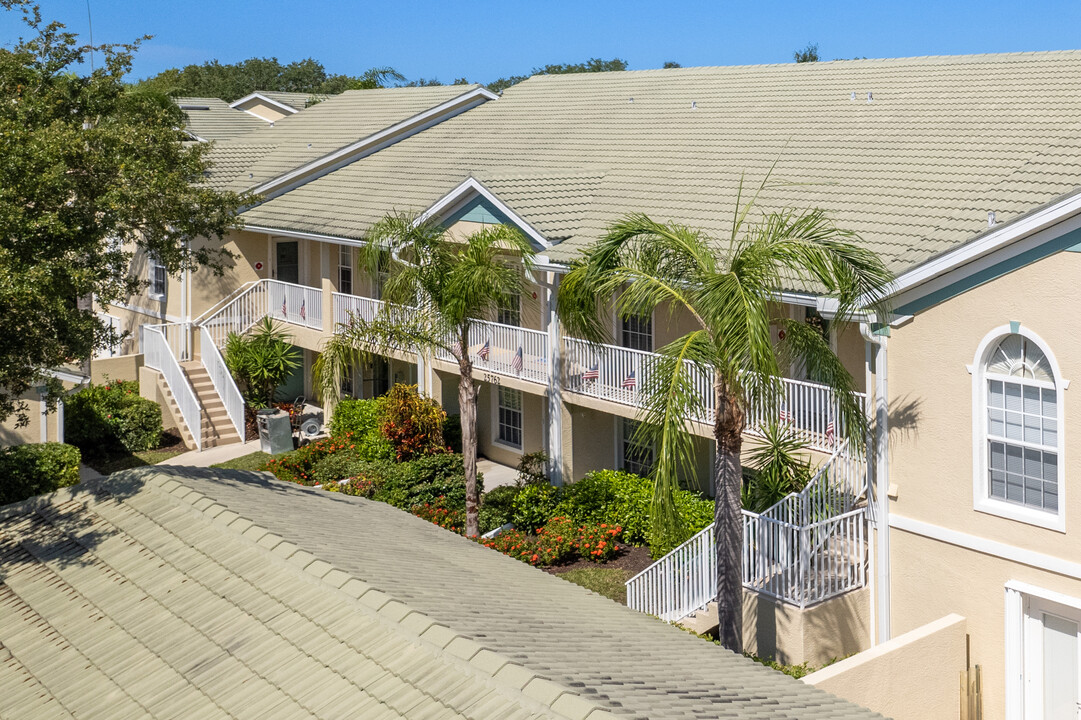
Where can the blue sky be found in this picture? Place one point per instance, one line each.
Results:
(484, 40)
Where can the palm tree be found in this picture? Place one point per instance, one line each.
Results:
(447, 282)
(730, 287)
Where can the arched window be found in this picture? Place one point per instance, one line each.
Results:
(1019, 440)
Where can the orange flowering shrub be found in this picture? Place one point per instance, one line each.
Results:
(297, 466)
(555, 541)
(597, 542)
(516, 544)
(452, 519)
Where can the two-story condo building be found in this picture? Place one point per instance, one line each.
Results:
(963, 173)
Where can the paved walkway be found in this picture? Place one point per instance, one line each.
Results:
(496, 475)
(212, 456)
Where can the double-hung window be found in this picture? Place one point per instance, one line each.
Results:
(509, 310)
(345, 269)
(509, 431)
(636, 456)
(1021, 434)
(636, 332)
(158, 278)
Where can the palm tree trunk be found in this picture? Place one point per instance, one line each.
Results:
(467, 401)
(728, 516)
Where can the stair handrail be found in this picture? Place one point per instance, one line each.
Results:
(804, 499)
(225, 300)
(159, 356)
(223, 381)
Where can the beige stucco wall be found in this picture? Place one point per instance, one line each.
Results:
(534, 418)
(816, 635)
(851, 350)
(263, 110)
(931, 464)
(120, 367)
(11, 434)
(150, 389)
(915, 676)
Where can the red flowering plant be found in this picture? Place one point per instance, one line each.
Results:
(297, 466)
(597, 542)
(452, 519)
(516, 544)
(555, 541)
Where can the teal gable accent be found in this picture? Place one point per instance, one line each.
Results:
(477, 210)
(1068, 241)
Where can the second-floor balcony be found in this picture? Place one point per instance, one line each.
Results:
(602, 372)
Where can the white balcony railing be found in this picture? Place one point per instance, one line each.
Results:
(506, 350)
(296, 304)
(618, 375)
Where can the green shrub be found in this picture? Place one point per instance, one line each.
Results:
(597, 543)
(535, 505)
(29, 470)
(533, 469)
(297, 466)
(780, 466)
(556, 541)
(356, 418)
(452, 433)
(497, 507)
(426, 480)
(112, 417)
(452, 519)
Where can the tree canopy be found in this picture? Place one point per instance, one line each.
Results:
(806, 54)
(591, 65)
(231, 81)
(90, 170)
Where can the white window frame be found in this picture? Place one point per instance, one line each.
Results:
(621, 446)
(118, 327)
(346, 252)
(497, 421)
(152, 266)
(981, 494)
(516, 311)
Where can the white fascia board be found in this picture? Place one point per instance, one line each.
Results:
(279, 232)
(466, 191)
(373, 143)
(983, 245)
(287, 109)
(67, 376)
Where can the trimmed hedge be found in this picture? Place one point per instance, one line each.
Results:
(37, 468)
(112, 417)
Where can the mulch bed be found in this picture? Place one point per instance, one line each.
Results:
(632, 559)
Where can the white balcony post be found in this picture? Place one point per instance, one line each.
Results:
(555, 383)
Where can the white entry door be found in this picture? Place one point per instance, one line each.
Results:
(1052, 665)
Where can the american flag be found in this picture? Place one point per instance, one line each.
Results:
(285, 310)
(629, 381)
(485, 349)
(784, 415)
(303, 312)
(594, 373)
(830, 433)
(516, 363)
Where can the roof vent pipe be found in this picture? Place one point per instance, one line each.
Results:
(694, 105)
(990, 218)
(630, 100)
(870, 97)
(853, 95)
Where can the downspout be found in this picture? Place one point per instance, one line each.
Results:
(882, 480)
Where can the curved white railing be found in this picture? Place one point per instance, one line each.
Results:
(222, 380)
(159, 356)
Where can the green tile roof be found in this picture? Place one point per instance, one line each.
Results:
(218, 121)
(942, 141)
(183, 592)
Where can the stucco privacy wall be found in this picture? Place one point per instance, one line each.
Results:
(912, 677)
(815, 635)
(932, 455)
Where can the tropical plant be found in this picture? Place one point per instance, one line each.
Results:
(449, 282)
(261, 361)
(413, 423)
(728, 287)
(532, 469)
(780, 466)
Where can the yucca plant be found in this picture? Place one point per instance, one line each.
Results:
(448, 283)
(261, 361)
(780, 466)
(728, 287)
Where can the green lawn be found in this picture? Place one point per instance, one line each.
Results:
(126, 461)
(603, 581)
(252, 461)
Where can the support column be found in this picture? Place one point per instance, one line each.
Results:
(555, 383)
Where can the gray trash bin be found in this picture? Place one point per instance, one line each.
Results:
(275, 431)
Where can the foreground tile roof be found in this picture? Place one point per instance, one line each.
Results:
(200, 593)
(910, 153)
